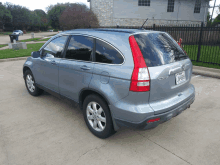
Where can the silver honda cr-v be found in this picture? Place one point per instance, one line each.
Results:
(119, 77)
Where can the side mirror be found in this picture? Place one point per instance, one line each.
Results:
(35, 54)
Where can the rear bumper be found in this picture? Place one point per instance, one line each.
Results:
(163, 117)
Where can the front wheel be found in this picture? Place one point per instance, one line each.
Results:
(97, 116)
(30, 84)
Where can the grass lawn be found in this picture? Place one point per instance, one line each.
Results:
(3, 46)
(208, 53)
(10, 53)
(52, 35)
(31, 39)
(34, 39)
(45, 39)
(205, 65)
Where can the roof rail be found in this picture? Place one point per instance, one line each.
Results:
(114, 30)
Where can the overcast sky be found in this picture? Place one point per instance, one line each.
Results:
(42, 4)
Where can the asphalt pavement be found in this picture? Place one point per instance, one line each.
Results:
(48, 131)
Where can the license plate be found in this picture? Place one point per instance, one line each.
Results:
(180, 77)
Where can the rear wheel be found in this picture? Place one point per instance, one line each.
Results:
(30, 84)
(97, 116)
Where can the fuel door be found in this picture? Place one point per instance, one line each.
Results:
(104, 77)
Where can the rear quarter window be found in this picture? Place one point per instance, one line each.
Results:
(159, 49)
(106, 53)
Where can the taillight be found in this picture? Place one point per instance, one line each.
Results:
(140, 80)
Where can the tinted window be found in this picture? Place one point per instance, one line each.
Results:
(55, 47)
(80, 48)
(159, 49)
(107, 54)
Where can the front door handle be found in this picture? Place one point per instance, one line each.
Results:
(84, 67)
(53, 62)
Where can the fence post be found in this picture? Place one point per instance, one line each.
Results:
(200, 43)
(154, 26)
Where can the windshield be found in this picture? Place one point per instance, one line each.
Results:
(159, 48)
(16, 30)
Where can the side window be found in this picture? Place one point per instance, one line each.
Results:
(105, 53)
(80, 48)
(55, 47)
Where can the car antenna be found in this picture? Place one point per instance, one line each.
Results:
(143, 24)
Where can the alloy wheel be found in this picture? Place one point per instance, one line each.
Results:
(30, 83)
(96, 116)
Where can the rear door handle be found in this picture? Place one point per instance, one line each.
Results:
(53, 62)
(84, 67)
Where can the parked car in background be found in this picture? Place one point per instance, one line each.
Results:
(18, 32)
(50, 30)
(119, 77)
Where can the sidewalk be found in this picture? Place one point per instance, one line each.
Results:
(30, 42)
(209, 72)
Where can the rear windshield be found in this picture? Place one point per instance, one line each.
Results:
(159, 49)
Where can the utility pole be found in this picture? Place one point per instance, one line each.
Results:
(213, 10)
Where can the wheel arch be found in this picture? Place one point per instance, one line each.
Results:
(88, 91)
(25, 68)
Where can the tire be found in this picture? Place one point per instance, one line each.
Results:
(30, 84)
(98, 119)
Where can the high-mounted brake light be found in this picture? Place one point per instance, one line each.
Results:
(140, 80)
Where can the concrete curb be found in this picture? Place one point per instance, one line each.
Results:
(14, 59)
(207, 75)
(208, 72)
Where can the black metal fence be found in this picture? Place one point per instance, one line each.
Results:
(201, 43)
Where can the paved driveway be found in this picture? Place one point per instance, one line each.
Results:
(4, 39)
(47, 131)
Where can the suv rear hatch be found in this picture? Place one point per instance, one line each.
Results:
(170, 70)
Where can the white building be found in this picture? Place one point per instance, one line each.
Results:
(160, 12)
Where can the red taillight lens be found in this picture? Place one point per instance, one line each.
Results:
(140, 80)
(153, 120)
